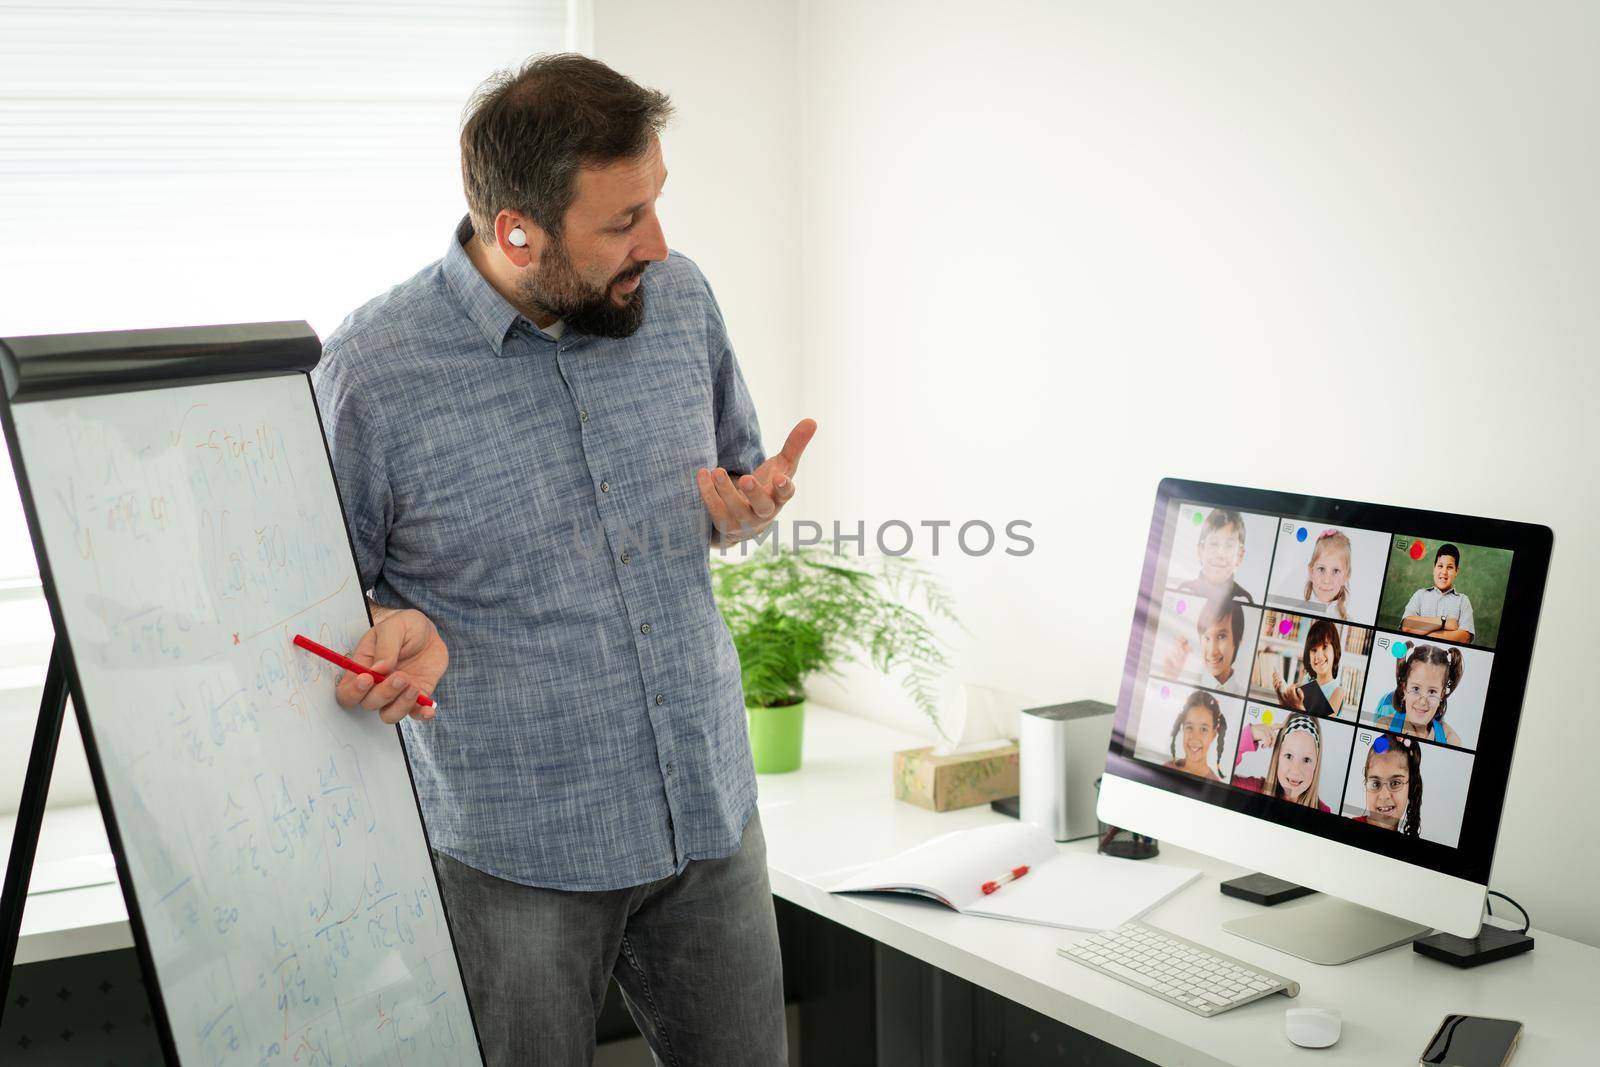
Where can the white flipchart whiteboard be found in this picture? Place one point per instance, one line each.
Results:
(278, 865)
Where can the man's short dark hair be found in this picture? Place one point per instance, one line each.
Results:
(527, 133)
(1448, 550)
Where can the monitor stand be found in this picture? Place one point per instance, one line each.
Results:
(1326, 930)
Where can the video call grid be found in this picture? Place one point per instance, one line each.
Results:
(1373, 630)
(1353, 701)
(1355, 724)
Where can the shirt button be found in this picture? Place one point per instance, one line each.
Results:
(660, 699)
(583, 416)
(625, 557)
(605, 487)
(644, 627)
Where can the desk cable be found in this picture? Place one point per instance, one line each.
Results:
(1489, 904)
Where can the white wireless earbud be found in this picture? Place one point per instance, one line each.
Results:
(517, 237)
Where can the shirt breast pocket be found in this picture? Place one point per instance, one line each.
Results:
(677, 437)
(674, 403)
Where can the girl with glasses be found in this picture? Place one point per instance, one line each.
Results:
(1393, 784)
(1424, 680)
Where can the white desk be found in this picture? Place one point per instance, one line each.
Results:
(838, 811)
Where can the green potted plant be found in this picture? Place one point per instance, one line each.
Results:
(798, 612)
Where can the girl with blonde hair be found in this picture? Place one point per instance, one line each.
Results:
(1294, 771)
(1328, 573)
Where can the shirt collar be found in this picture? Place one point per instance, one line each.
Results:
(488, 310)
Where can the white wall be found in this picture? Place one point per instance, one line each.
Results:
(1034, 238)
(1037, 236)
(733, 165)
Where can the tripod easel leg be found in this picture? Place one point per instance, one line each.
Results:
(30, 816)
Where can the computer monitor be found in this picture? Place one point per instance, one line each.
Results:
(1327, 691)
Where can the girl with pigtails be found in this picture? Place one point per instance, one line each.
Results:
(1424, 680)
(1393, 783)
(1203, 727)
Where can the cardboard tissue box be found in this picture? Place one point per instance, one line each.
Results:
(957, 779)
(981, 762)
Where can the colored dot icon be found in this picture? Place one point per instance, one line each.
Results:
(1399, 650)
(1284, 626)
(1266, 718)
(1166, 691)
(1417, 549)
(1183, 606)
(1300, 534)
(1381, 745)
(1198, 518)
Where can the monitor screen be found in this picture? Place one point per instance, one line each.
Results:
(1351, 670)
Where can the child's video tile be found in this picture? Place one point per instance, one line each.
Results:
(1310, 664)
(1188, 729)
(1205, 642)
(1445, 590)
(1219, 554)
(1327, 570)
(1295, 757)
(1437, 691)
(1385, 786)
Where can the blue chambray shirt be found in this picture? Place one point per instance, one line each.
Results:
(535, 497)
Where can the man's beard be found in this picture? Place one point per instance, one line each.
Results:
(559, 291)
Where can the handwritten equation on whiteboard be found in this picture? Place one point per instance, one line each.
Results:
(272, 837)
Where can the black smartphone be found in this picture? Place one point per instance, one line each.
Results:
(1472, 1041)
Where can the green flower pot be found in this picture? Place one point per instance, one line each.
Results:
(775, 737)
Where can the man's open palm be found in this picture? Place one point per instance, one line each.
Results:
(743, 510)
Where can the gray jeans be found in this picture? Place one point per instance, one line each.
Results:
(696, 956)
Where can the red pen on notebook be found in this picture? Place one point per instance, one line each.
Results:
(301, 641)
(1012, 876)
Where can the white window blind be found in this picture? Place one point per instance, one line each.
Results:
(181, 162)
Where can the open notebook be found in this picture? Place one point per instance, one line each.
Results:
(1073, 890)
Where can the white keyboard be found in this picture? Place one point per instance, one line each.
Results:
(1180, 972)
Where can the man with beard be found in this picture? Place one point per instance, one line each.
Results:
(523, 452)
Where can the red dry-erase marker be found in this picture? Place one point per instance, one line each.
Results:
(1015, 873)
(301, 641)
